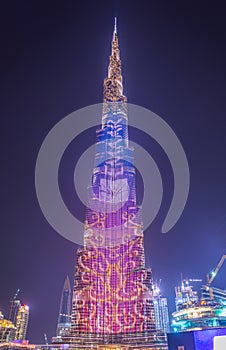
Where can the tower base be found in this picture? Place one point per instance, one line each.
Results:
(125, 341)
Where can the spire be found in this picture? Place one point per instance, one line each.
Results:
(67, 284)
(113, 89)
(64, 317)
(115, 27)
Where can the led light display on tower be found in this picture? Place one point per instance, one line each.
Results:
(113, 289)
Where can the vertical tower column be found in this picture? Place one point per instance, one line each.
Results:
(113, 294)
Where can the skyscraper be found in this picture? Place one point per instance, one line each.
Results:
(7, 329)
(22, 322)
(14, 308)
(64, 318)
(113, 290)
(161, 312)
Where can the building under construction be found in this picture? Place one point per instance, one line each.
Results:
(193, 312)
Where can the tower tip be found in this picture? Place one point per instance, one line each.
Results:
(115, 27)
(67, 284)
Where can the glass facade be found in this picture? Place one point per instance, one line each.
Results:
(161, 314)
(64, 319)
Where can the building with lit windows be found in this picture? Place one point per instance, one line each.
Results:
(161, 312)
(113, 290)
(194, 313)
(185, 295)
(7, 330)
(22, 322)
(64, 318)
(14, 309)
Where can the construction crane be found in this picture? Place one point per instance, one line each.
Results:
(15, 295)
(212, 275)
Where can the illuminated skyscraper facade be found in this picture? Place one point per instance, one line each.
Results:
(161, 312)
(64, 318)
(22, 322)
(7, 329)
(14, 308)
(113, 291)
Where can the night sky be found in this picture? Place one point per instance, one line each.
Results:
(54, 57)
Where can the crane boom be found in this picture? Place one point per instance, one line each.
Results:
(15, 295)
(215, 272)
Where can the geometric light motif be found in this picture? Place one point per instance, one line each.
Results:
(113, 289)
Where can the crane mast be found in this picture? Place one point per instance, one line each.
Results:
(211, 277)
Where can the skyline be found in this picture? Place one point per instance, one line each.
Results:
(47, 79)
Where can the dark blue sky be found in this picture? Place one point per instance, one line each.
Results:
(54, 57)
